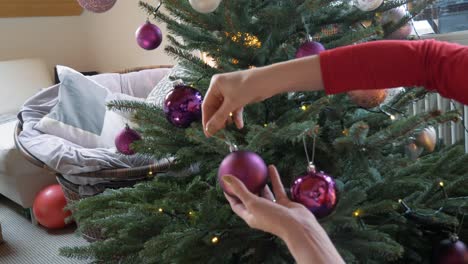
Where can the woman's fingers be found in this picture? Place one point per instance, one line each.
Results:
(267, 194)
(239, 190)
(278, 188)
(238, 118)
(218, 119)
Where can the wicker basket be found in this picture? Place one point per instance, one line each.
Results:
(129, 176)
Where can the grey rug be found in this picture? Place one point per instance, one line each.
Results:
(29, 244)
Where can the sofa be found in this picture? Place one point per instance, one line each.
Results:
(20, 181)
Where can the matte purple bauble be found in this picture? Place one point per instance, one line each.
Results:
(149, 36)
(182, 106)
(124, 140)
(317, 192)
(248, 167)
(451, 251)
(97, 6)
(309, 48)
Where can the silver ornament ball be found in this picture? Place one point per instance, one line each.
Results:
(204, 6)
(367, 5)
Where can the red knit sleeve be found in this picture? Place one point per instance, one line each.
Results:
(435, 65)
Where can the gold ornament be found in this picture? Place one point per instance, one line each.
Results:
(427, 139)
(215, 240)
(368, 98)
(235, 61)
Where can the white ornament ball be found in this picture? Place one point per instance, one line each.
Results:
(204, 6)
(367, 5)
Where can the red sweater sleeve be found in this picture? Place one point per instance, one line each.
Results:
(433, 64)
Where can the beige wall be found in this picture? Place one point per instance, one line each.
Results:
(102, 42)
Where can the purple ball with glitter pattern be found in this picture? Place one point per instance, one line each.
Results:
(309, 48)
(97, 6)
(317, 192)
(182, 106)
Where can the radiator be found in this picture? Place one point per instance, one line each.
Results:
(449, 133)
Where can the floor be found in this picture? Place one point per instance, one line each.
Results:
(29, 244)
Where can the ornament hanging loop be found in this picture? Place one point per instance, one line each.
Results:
(159, 6)
(310, 160)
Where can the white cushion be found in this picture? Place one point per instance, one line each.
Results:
(7, 130)
(19, 80)
(81, 115)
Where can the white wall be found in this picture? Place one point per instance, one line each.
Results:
(102, 42)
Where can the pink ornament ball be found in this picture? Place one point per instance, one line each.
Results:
(149, 36)
(317, 192)
(48, 207)
(309, 48)
(248, 167)
(125, 139)
(97, 6)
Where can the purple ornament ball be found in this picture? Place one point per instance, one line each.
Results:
(97, 6)
(125, 139)
(149, 36)
(248, 167)
(182, 106)
(451, 251)
(309, 48)
(317, 192)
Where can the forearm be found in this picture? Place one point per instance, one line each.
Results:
(311, 244)
(291, 76)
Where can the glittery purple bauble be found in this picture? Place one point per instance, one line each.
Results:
(149, 36)
(309, 48)
(182, 106)
(124, 140)
(248, 167)
(317, 192)
(451, 251)
(97, 6)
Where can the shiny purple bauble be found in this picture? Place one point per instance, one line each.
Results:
(97, 6)
(248, 167)
(182, 106)
(125, 139)
(317, 192)
(451, 251)
(149, 36)
(309, 48)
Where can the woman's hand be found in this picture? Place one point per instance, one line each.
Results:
(226, 98)
(290, 221)
(230, 92)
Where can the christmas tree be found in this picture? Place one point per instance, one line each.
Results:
(394, 205)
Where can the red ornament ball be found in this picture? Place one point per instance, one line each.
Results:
(248, 167)
(451, 251)
(309, 48)
(149, 36)
(125, 139)
(182, 106)
(317, 192)
(49, 207)
(97, 6)
(368, 98)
